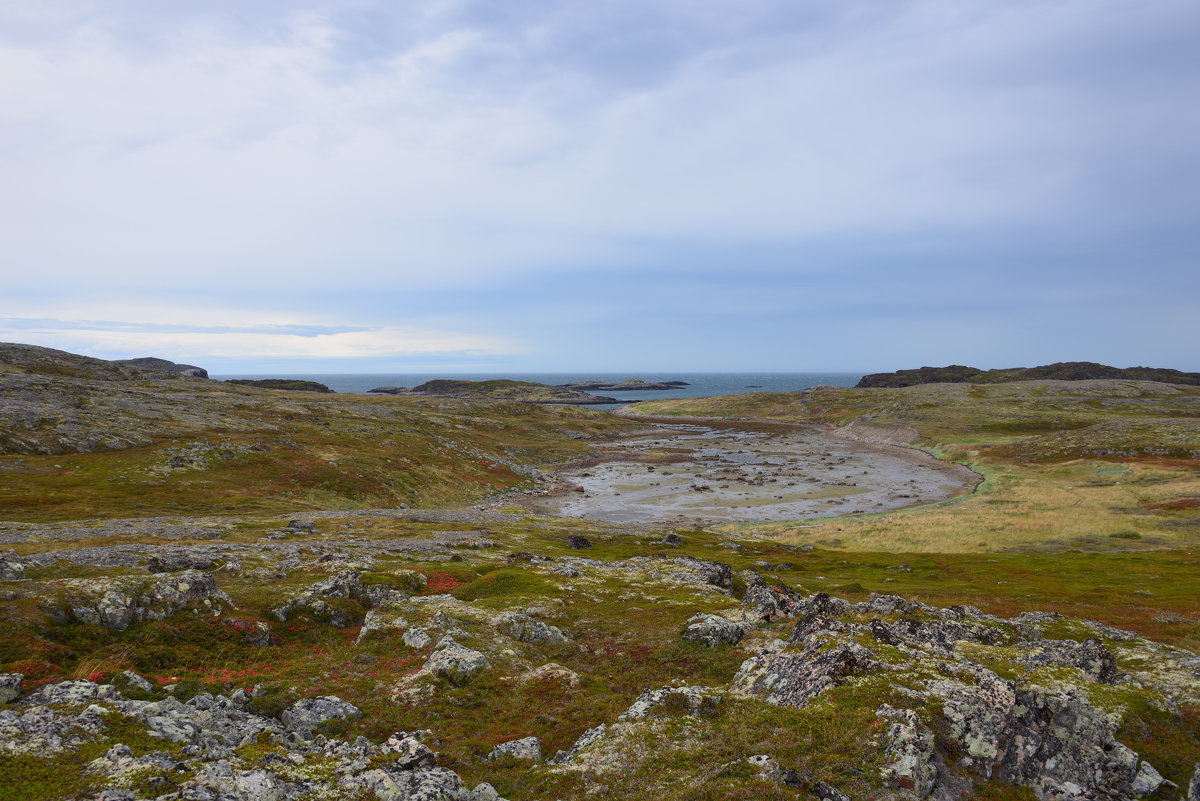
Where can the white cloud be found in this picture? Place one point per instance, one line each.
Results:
(470, 152)
(126, 340)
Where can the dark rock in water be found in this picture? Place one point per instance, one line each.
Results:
(578, 542)
(164, 366)
(628, 385)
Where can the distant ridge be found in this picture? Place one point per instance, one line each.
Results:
(1059, 371)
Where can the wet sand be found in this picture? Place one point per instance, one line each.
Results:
(702, 473)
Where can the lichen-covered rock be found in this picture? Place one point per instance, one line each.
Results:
(794, 679)
(908, 751)
(408, 751)
(424, 784)
(310, 714)
(523, 628)
(578, 542)
(381, 620)
(716, 574)
(1147, 781)
(712, 630)
(118, 603)
(690, 700)
(346, 584)
(12, 567)
(591, 737)
(770, 602)
(528, 748)
(71, 692)
(10, 686)
(416, 637)
(455, 662)
(1193, 789)
(1090, 656)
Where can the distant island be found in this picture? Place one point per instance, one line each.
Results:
(1059, 371)
(629, 384)
(498, 389)
(293, 384)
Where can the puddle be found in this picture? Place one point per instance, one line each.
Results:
(698, 473)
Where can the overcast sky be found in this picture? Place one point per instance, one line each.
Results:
(786, 185)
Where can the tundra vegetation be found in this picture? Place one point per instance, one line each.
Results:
(215, 591)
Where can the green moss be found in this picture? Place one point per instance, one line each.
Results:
(507, 583)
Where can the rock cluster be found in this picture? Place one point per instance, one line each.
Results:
(200, 762)
(117, 603)
(1036, 733)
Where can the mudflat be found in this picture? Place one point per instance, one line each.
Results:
(694, 473)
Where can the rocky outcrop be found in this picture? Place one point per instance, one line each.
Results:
(712, 630)
(347, 584)
(207, 730)
(164, 366)
(310, 714)
(523, 628)
(527, 748)
(10, 686)
(908, 751)
(120, 602)
(1049, 737)
(455, 662)
(12, 567)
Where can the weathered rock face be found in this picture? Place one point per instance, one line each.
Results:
(712, 630)
(118, 603)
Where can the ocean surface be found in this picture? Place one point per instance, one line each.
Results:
(699, 385)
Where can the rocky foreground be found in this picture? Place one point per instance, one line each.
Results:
(935, 701)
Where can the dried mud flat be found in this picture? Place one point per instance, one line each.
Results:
(707, 473)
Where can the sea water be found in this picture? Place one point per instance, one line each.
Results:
(699, 385)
